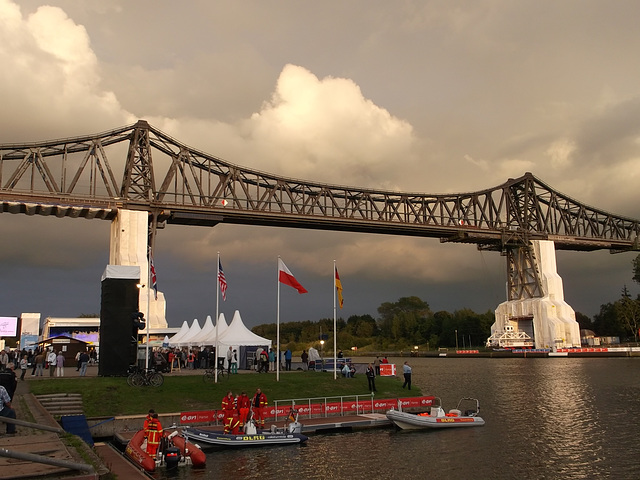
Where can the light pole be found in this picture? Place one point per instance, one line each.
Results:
(456, 339)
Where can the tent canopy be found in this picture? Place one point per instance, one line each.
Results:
(181, 333)
(238, 335)
(190, 335)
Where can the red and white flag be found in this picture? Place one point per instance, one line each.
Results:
(285, 276)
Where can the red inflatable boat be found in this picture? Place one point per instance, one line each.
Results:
(175, 450)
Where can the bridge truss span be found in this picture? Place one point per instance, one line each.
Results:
(182, 185)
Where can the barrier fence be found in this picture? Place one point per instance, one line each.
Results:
(319, 407)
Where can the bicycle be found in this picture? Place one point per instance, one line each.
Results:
(140, 377)
(209, 375)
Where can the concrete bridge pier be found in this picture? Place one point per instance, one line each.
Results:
(128, 246)
(547, 320)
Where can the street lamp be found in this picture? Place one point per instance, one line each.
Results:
(456, 339)
(321, 345)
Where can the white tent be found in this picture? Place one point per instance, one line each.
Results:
(240, 338)
(210, 339)
(193, 332)
(206, 330)
(237, 334)
(181, 333)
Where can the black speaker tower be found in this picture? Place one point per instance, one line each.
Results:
(118, 331)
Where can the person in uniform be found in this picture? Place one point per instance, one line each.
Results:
(244, 404)
(229, 408)
(259, 404)
(154, 434)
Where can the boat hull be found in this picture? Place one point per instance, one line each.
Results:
(412, 421)
(138, 455)
(241, 440)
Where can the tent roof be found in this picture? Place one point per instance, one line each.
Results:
(237, 334)
(191, 334)
(220, 328)
(204, 333)
(181, 333)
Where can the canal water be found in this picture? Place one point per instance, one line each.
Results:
(546, 418)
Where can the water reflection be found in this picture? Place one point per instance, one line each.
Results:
(545, 418)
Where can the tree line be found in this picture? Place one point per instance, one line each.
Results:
(410, 322)
(401, 325)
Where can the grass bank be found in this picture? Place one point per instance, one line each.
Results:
(112, 396)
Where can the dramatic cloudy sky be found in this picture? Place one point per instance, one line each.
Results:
(422, 96)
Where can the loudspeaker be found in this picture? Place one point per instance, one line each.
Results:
(118, 338)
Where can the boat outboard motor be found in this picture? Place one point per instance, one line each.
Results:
(294, 427)
(250, 428)
(172, 457)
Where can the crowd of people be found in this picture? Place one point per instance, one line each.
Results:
(41, 360)
(240, 409)
(237, 410)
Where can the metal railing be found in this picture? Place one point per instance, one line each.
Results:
(363, 404)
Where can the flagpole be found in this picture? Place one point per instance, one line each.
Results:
(278, 326)
(215, 374)
(148, 302)
(335, 364)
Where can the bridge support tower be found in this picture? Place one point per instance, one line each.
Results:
(536, 306)
(128, 246)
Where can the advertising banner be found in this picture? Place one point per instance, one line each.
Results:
(387, 370)
(319, 409)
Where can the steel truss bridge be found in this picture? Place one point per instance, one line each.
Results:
(177, 184)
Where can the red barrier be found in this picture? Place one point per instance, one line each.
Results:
(319, 409)
(387, 370)
(582, 350)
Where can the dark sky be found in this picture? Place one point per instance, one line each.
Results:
(428, 97)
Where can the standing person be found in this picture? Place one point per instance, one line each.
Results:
(154, 434)
(84, 361)
(6, 410)
(371, 377)
(39, 361)
(228, 405)
(60, 365)
(51, 360)
(406, 370)
(377, 365)
(264, 361)
(4, 359)
(244, 404)
(229, 360)
(305, 359)
(78, 361)
(24, 363)
(272, 360)
(191, 360)
(147, 419)
(234, 362)
(287, 359)
(259, 404)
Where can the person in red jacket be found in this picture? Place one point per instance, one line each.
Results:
(244, 404)
(229, 409)
(259, 404)
(154, 434)
(148, 418)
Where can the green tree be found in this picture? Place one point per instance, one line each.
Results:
(584, 321)
(628, 312)
(606, 322)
